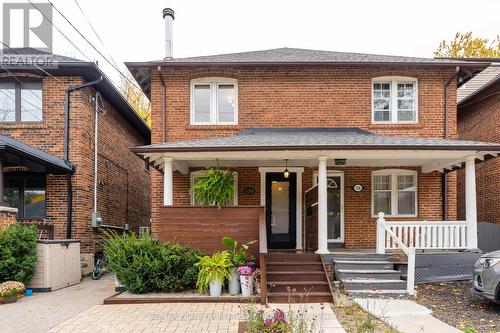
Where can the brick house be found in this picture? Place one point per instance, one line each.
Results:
(321, 143)
(46, 172)
(478, 118)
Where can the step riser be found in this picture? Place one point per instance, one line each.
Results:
(300, 289)
(311, 299)
(375, 286)
(283, 267)
(295, 277)
(363, 266)
(293, 258)
(384, 276)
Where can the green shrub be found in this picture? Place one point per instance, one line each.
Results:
(146, 265)
(17, 253)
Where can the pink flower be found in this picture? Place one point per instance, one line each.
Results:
(245, 270)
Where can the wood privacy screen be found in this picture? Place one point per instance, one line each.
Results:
(204, 227)
(311, 212)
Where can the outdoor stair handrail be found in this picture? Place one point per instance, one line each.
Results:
(382, 230)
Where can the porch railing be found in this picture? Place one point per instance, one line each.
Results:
(411, 235)
(385, 232)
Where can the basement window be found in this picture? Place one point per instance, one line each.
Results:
(214, 101)
(394, 100)
(21, 101)
(394, 192)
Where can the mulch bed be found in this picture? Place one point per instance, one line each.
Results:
(456, 304)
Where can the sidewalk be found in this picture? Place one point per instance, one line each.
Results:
(405, 315)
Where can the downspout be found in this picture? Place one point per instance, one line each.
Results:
(163, 106)
(446, 136)
(69, 184)
(96, 133)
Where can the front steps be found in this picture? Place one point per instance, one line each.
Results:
(364, 274)
(296, 278)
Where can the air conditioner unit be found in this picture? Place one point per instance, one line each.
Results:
(143, 231)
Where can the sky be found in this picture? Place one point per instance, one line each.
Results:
(134, 30)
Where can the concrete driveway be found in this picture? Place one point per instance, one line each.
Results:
(42, 311)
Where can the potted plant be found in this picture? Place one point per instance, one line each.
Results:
(238, 258)
(246, 279)
(213, 271)
(9, 291)
(215, 187)
(256, 280)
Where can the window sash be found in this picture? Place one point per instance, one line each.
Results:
(397, 192)
(216, 115)
(395, 114)
(26, 98)
(29, 190)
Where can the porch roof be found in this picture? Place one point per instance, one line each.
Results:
(306, 143)
(14, 153)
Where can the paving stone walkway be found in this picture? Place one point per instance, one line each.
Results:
(181, 317)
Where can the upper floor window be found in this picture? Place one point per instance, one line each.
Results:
(21, 102)
(394, 100)
(214, 101)
(394, 192)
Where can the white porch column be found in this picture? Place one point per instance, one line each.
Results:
(470, 202)
(322, 206)
(168, 183)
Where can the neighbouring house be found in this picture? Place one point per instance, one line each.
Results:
(478, 119)
(322, 143)
(47, 150)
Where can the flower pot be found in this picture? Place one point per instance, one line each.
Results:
(246, 285)
(215, 288)
(234, 282)
(9, 299)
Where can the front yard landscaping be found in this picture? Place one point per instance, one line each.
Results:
(456, 304)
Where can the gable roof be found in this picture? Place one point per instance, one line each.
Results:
(18, 59)
(291, 57)
(479, 82)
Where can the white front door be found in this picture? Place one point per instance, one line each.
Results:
(335, 205)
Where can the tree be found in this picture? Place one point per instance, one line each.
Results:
(136, 98)
(467, 46)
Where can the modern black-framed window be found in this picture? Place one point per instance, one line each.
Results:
(26, 192)
(21, 101)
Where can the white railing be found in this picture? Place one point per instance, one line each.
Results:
(384, 232)
(429, 234)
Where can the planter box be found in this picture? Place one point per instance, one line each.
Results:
(9, 299)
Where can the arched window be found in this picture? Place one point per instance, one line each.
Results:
(214, 101)
(394, 100)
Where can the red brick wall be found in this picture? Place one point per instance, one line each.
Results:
(125, 183)
(306, 97)
(7, 217)
(478, 120)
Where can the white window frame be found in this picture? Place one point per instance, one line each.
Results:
(196, 174)
(394, 173)
(214, 82)
(393, 81)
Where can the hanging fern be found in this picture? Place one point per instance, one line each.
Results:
(215, 187)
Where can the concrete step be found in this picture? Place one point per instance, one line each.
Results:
(299, 297)
(359, 256)
(293, 266)
(374, 293)
(298, 286)
(387, 274)
(362, 264)
(373, 284)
